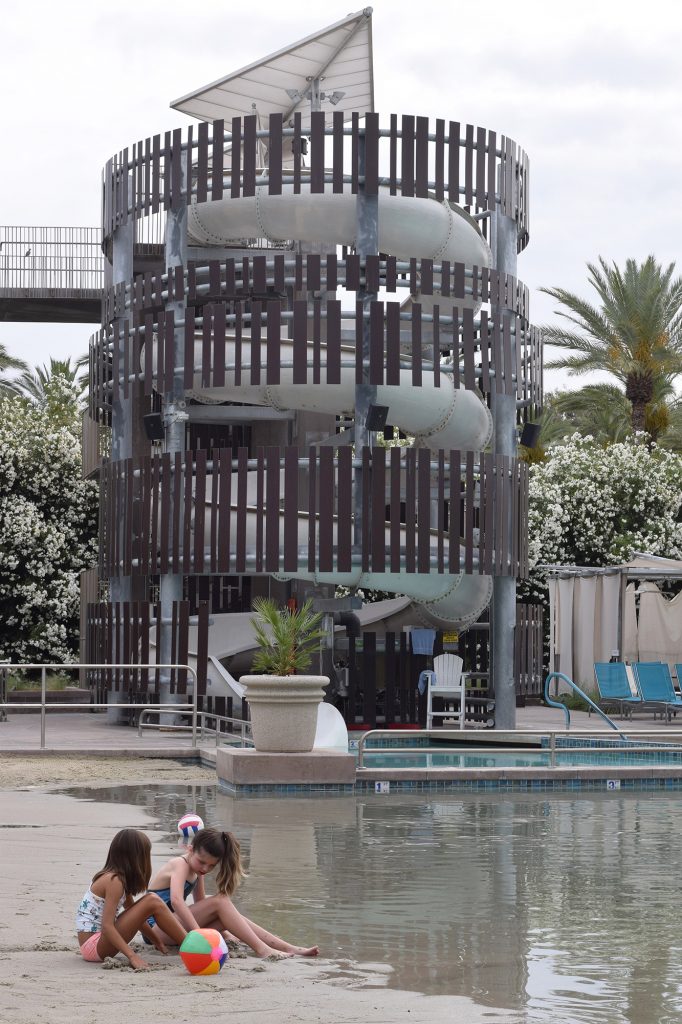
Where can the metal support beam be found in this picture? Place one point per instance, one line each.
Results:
(503, 611)
(174, 419)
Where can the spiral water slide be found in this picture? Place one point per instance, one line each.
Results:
(444, 417)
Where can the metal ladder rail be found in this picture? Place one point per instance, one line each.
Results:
(581, 693)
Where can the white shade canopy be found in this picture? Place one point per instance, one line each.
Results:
(340, 56)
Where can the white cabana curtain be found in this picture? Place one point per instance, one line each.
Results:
(660, 626)
(583, 623)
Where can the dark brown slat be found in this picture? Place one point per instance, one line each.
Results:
(255, 346)
(202, 649)
(488, 512)
(300, 342)
(407, 155)
(459, 281)
(455, 510)
(169, 357)
(249, 182)
(337, 152)
(326, 510)
(128, 517)
(206, 346)
(509, 365)
(516, 510)
(236, 158)
(391, 274)
(377, 518)
(259, 513)
(145, 509)
(116, 361)
(469, 514)
(331, 271)
(366, 497)
(468, 348)
(291, 505)
(345, 510)
(165, 488)
(317, 340)
(359, 343)
(484, 382)
(125, 327)
(278, 273)
(480, 169)
(333, 341)
(296, 145)
(298, 273)
(177, 482)
(224, 504)
(423, 510)
(393, 343)
(183, 644)
(213, 539)
(242, 508)
(520, 375)
(355, 151)
(393, 155)
(371, 154)
(312, 509)
(508, 499)
(230, 278)
(492, 170)
(414, 287)
(439, 158)
(275, 154)
(436, 345)
(156, 173)
(214, 282)
(395, 527)
(422, 158)
(219, 329)
(453, 162)
(469, 165)
(390, 676)
(174, 644)
(155, 489)
(237, 344)
(144, 644)
(317, 119)
(426, 270)
(410, 509)
(274, 353)
(199, 509)
(272, 500)
(440, 511)
(500, 499)
(417, 344)
(372, 278)
(177, 195)
(246, 264)
(188, 375)
(217, 158)
(376, 343)
(202, 162)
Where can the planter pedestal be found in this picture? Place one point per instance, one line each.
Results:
(284, 711)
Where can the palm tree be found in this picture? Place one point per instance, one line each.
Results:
(33, 384)
(8, 362)
(634, 334)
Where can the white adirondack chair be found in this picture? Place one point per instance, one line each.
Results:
(449, 682)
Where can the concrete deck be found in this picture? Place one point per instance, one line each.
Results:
(90, 734)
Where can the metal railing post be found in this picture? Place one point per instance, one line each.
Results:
(552, 750)
(43, 698)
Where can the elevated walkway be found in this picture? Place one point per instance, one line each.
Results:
(51, 274)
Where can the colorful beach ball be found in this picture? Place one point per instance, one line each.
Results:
(204, 951)
(189, 825)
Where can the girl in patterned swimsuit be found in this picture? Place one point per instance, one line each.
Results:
(108, 916)
(181, 875)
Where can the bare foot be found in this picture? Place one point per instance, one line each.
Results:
(274, 954)
(305, 950)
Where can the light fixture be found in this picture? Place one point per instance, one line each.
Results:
(335, 97)
(530, 435)
(153, 426)
(376, 417)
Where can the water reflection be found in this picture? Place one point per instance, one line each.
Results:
(564, 908)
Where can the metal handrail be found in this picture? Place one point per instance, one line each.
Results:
(193, 707)
(628, 742)
(559, 704)
(243, 724)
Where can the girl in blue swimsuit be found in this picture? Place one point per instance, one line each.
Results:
(183, 875)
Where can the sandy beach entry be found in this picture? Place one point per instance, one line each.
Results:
(50, 844)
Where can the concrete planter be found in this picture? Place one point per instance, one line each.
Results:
(284, 711)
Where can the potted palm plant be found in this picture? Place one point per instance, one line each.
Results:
(283, 700)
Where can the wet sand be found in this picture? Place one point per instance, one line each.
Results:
(50, 846)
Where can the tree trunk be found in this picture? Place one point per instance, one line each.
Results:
(638, 415)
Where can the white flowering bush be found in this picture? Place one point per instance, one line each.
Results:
(48, 525)
(593, 505)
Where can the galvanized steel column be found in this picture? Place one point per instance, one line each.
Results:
(503, 611)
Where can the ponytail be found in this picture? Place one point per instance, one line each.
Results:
(224, 846)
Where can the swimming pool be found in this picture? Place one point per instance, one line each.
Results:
(472, 759)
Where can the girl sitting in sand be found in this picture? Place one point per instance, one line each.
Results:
(183, 875)
(108, 916)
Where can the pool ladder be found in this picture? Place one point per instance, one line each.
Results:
(581, 693)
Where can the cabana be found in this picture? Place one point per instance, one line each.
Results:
(615, 610)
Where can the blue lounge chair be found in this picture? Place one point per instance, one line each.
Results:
(656, 686)
(614, 687)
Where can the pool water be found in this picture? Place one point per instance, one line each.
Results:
(522, 759)
(538, 909)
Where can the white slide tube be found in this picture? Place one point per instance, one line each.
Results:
(440, 417)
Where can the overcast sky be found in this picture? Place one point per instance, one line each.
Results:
(591, 90)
